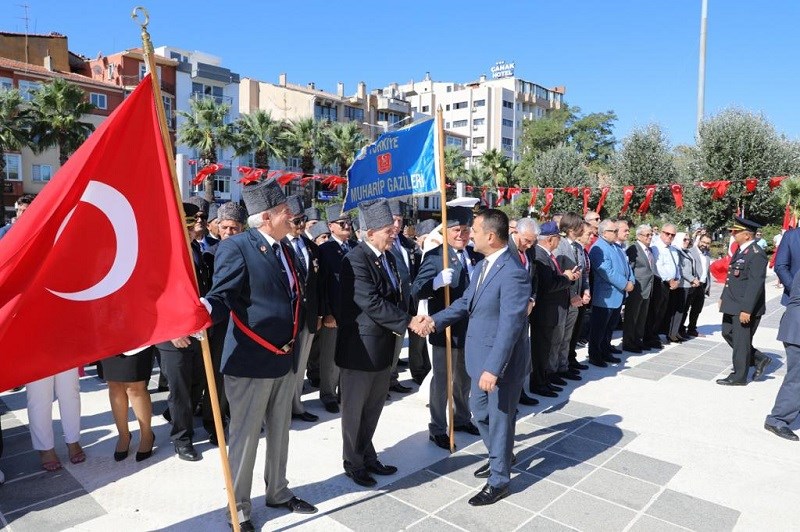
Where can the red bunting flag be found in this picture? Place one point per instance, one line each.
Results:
(548, 200)
(534, 193)
(207, 170)
(677, 193)
(627, 194)
(751, 184)
(650, 190)
(719, 188)
(775, 182)
(787, 217)
(512, 191)
(573, 191)
(484, 199)
(130, 284)
(470, 188)
(501, 192)
(602, 200)
(587, 193)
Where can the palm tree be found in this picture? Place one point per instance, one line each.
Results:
(345, 140)
(56, 112)
(205, 130)
(303, 139)
(14, 134)
(496, 165)
(258, 133)
(453, 163)
(476, 176)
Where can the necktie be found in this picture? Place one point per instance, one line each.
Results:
(523, 258)
(558, 268)
(483, 274)
(389, 271)
(277, 249)
(650, 258)
(345, 247)
(462, 256)
(576, 248)
(299, 251)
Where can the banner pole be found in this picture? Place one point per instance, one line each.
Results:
(445, 264)
(149, 55)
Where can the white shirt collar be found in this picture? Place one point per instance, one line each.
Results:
(373, 248)
(493, 257)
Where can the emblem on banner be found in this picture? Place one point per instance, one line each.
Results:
(384, 163)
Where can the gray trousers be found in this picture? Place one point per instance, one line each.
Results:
(398, 346)
(257, 403)
(438, 395)
(328, 370)
(363, 397)
(562, 362)
(787, 402)
(304, 341)
(554, 359)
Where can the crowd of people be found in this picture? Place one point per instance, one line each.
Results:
(297, 301)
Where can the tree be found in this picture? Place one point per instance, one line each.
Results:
(14, 133)
(303, 139)
(496, 165)
(593, 136)
(206, 131)
(345, 139)
(56, 115)
(562, 167)
(259, 134)
(454, 163)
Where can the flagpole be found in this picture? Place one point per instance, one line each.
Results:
(445, 264)
(149, 55)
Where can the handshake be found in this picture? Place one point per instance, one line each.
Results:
(422, 325)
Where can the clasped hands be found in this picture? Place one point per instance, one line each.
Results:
(422, 325)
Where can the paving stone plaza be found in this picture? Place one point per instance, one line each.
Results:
(651, 444)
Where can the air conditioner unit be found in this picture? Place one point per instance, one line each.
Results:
(474, 128)
(474, 109)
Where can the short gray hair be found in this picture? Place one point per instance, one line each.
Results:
(605, 225)
(254, 221)
(525, 225)
(642, 229)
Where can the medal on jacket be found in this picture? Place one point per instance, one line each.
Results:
(315, 263)
(263, 249)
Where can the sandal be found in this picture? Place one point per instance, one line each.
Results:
(78, 457)
(51, 465)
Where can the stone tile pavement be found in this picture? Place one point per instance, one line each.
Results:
(647, 445)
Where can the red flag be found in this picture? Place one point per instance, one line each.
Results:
(548, 200)
(484, 200)
(677, 193)
(627, 194)
(501, 193)
(587, 192)
(719, 188)
(751, 184)
(98, 265)
(602, 200)
(787, 217)
(648, 197)
(512, 191)
(776, 181)
(534, 193)
(572, 190)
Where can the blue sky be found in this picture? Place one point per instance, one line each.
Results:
(636, 57)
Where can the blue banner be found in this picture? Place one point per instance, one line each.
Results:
(400, 163)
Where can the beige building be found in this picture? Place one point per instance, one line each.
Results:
(489, 111)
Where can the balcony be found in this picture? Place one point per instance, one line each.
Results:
(227, 100)
(132, 81)
(393, 104)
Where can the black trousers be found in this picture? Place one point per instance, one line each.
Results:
(658, 308)
(419, 361)
(740, 338)
(787, 402)
(697, 298)
(541, 338)
(577, 332)
(216, 342)
(184, 369)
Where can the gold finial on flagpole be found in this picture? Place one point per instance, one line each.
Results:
(135, 14)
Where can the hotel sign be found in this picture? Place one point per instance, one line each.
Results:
(501, 69)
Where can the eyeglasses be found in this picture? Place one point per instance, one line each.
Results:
(300, 220)
(615, 231)
(687, 239)
(647, 234)
(671, 235)
(343, 223)
(592, 219)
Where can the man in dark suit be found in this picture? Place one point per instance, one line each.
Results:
(521, 245)
(429, 285)
(787, 261)
(20, 206)
(372, 314)
(787, 402)
(496, 350)
(182, 361)
(258, 286)
(581, 322)
(742, 303)
(552, 295)
(331, 254)
(636, 306)
(407, 259)
(201, 233)
(308, 267)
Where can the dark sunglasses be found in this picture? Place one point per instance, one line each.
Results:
(668, 234)
(300, 220)
(343, 223)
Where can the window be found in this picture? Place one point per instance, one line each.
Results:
(460, 123)
(508, 105)
(42, 172)
(167, 108)
(5, 83)
(426, 108)
(507, 143)
(508, 123)
(110, 71)
(447, 107)
(454, 141)
(479, 122)
(322, 112)
(353, 114)
(178, 57)
(413, 109)
(27, 88)
(98, 100)
(143, 71)
(460, 105)
(447, 125)
(479, 103)
(13, 166)
(478, 140)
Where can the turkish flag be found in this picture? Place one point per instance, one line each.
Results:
(627, 194)
(751, 183)
(648, 197)
(775, 181)
(587, 192)
(99, 263)
(677, 193)
(534, 194)
(548, 200)
(602, 200)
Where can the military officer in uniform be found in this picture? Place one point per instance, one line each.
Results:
(742, 303)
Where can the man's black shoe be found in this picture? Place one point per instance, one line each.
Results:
(332, 407)
(212, 439)
(296, 505)
(653, 344)
(570, 376)
(380, 469)
(418, 380)
(598, 363)
(187, 452)
(467, 427)
(631, 349)
(582, 343)
(167, 415)
(245, 526)
(489, 495)
(361, 477)
(578, 366)
(612, 359)
(614, 349)
(728, 381)
(543, 391)
(483, 471)
(783, 432)
(555, 379)
(440, 440)
(402, 363)
(693, 333)
(313, 382)
(306, 416)
(526, 400)
(399, 388)
(761, 365)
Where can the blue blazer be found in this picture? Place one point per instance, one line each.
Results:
(789, 330)
(611, 273)
(248, 280)
(496, 334)
(787, 261)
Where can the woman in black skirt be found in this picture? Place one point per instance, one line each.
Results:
(127, 378)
